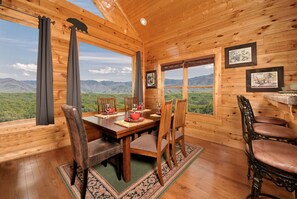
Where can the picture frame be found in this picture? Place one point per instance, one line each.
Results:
(151, 79)
(265, 79)
(241, 55)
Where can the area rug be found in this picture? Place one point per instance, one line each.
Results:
(103, 183)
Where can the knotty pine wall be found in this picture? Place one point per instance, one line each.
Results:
(213, 26)
(22, 138)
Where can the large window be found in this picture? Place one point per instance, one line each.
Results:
(191, 79)
(18, 58)
(103, 74)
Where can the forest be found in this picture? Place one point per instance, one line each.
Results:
(15, 106)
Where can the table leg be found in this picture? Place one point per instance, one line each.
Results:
(126, 159)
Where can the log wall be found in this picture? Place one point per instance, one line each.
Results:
(22, 138)
(213, 26)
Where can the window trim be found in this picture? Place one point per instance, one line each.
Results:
(216, 53)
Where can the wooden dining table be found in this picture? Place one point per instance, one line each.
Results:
(107, 126)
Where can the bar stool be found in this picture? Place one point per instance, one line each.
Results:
(271, 160)
(263, 130)
(263, 119)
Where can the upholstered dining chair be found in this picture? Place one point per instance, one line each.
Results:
(103, 101)
(128, 102)
(178, 128)
(263, 130)
(87, 154)
(155, 146)
(271, 160)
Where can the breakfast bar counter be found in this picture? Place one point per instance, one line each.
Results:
(287, 104)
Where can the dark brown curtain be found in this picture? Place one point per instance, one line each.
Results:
(172, 65)
(44, 85)
(73, 77)
(138, 90)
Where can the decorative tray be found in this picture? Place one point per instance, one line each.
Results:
(131, 120)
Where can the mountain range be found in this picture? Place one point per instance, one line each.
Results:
(9, 85)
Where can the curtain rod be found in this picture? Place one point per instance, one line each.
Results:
(28, 14)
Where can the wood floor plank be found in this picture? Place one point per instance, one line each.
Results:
(219, 172)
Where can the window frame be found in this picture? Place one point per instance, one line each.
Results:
(133, 58)
(217, 54)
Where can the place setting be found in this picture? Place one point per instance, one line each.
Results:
(132, 118)
(109, 112)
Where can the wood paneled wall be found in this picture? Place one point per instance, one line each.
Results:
(214, 25)
(176, 30)
(22, 138)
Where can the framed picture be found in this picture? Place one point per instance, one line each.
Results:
(151, 79)
(265, 79)
(241, 55)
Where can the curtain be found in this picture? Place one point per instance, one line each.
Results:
(44, 85)
(73, 78)
(138, 90)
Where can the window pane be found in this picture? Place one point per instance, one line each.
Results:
(18, 59)
(200, 100)
(103, 74)
(89, 6)
(174, 77)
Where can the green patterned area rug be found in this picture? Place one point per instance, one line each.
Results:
(103, 183)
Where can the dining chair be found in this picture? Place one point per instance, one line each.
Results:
(87, 154)
(271, 160)
(263, 130)
(129, 101)
(178, 128)
(103, 101)
(155, 146)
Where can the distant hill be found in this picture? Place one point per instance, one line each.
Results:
(9, 85)
(199, 80)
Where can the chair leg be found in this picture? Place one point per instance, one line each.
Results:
(119, 166)
(168, 156)
(257, 184)
(85, 184)
(174, 153)
(183, 148)
(104, 163)
(74, 172)
(160, 170)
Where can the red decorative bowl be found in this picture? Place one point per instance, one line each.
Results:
(135, 116)
(111, 110)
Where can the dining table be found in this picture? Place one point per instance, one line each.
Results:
(111, 126)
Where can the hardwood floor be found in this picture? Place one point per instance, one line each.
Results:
(219, 173)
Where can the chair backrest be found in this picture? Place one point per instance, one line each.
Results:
(103, 101)
(129, 101)
(241, 103)
(179, 119)
(249, 106)
(77, 133)
(165, 121)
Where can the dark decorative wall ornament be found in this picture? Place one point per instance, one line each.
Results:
(80, 26)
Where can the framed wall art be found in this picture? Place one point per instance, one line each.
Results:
(241, 55)
(151, 79)
(265, 79)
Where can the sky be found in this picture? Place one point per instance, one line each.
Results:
(19, 46)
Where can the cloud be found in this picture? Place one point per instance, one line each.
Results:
(105, 58)
(108, 69)
(208, 66)
(26, 74)
(26, 67)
